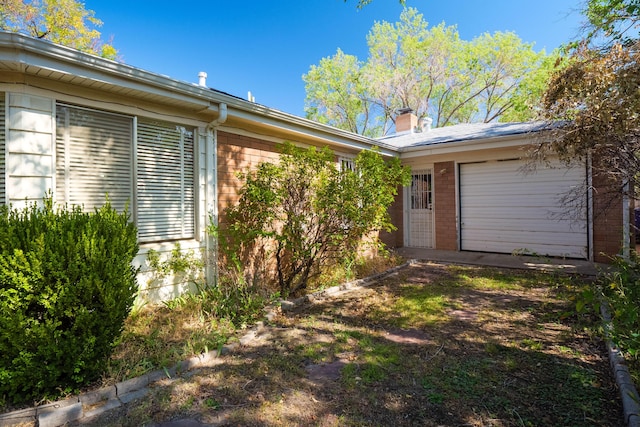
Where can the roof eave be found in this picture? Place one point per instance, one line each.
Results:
(503, 141)
(25, 52)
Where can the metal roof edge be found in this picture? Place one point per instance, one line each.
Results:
(535, 129)
(502, 141)
(22, 46)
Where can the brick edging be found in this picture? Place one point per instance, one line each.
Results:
(628, 391)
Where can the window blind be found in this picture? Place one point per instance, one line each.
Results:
(165, 181)
(93, 157)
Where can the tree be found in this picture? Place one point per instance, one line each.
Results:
(596, 99)
(363, 3)
(616, 20)
(433, 72)
(309, 213)
(65, 22)
(337, 86)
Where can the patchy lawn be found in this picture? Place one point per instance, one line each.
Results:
(433, 345)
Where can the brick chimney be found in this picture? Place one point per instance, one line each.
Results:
(406, 121)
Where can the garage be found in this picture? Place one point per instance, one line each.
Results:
(505, 210)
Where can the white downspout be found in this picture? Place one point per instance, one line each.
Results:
(211, 154)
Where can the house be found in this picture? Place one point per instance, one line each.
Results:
(474, 189)
(81, 126)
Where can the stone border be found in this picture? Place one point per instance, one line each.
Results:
(628, 392)
(97, 402)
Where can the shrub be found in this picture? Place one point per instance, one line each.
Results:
(309, 214)
(621, 289)
(66, 286)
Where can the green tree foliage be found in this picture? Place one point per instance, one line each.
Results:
(430, 70)
(308, 212)
(339, 88)
(363, 3)
(596, 96)
(621, 291)
(66, 286)
(65, 22)
(615, 20)
(593, 106)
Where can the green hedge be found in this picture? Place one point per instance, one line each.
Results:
(66, 286)
(621, 289)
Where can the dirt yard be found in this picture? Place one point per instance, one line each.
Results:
(433, 345)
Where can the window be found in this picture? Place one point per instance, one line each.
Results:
(95, 157)
(165, 181)
(421, 190)
(347, 164)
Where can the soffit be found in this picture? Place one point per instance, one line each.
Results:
(32, 57)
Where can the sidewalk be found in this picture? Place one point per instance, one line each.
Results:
(503, 260)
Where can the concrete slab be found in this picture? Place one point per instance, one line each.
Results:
(24, 416)
(525, 262)
(58, 416)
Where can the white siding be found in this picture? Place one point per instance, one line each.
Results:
(503, 209)
(3, 147)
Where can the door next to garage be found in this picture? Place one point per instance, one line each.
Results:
(419, 233)
(503, 209)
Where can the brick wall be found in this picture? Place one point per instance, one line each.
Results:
(444, 185)
(237, 153)
(395, 239)
(607, 218)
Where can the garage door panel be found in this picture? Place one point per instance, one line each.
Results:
(505, 167)
(525, 187)
(541, 214)
(510, 182)
(517, 237)
(531, 249)
(514, 224)
(504, 210)
(506, 200)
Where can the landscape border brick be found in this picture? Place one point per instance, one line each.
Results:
(628, 392)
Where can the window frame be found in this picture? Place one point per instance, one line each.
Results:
(187, 187)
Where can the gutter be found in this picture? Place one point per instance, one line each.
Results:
(447, 147)
(20, 53)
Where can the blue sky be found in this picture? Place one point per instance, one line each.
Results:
(265, 46)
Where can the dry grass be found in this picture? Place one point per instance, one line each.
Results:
(433, 346)
(159, 336)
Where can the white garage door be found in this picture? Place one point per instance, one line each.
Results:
(505, 210)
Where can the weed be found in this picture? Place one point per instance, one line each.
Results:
(531, 344)
(212, 403)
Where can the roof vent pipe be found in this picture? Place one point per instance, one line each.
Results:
(426, 124)
(202, 79)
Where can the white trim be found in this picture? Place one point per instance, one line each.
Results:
(509, 141)
(27, 55)
(5, 150)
